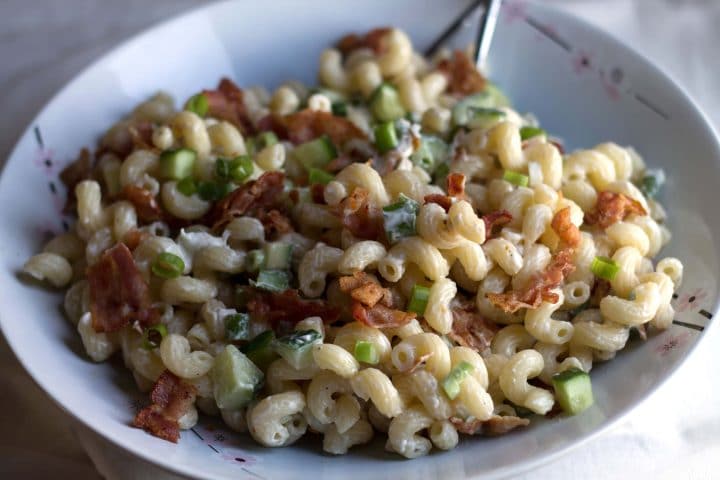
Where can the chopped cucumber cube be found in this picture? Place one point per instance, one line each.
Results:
(278, 256)
(385, 103)
(481, 117)
(418, 299)
(366, 352)
(315, 153)
(260, 349)
(432, 153)
(235, 378)
(296, 348)
(254, 260)
(272, 280)
(399, 218)
(237, 326)
(177, 164)
(573, 390)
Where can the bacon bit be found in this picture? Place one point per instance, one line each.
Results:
(226, 103)
(171, 399)
(147, 208)
(496, 425)
(372, 40)
(77, 171)
(568, 232)
(289, 307)
(141, 136)
(443, 200)
(308, 125)
(254, 198)
(317, 191)
(456, 185)
(540, 287)
(600, 290)
(118, 292)
(362, 219)
(356, 280)
(612, 207)
(558, 145)
(380, 316)
(469, 328)
(495, 219)
(463, 77)
(133, 238)
(369, 294)
(275, 222)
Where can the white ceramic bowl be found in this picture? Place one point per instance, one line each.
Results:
(582, 84)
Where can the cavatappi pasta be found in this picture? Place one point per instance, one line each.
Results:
(394, 250)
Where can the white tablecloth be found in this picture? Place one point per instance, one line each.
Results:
(674, 435)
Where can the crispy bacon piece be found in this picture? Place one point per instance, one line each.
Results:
(443, 200)
(371, 40)
(540, 287)
(133, 238)
(146, 205)
(368, 294)
(254, 198)
(226, 103)
(496, 425)
(118, 292)
(498, 218)
(463, 77)
(456, 185)
(171, 399)
(365, 289)
(469, 328)
(317, 191)
(568, 232)
(613, 207)
(360, 217)
(308, 125)
(349, 283)
(380, 316)
(77, 171)
(276, 222)
(289, 307)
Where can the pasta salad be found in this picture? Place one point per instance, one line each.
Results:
(394, 250)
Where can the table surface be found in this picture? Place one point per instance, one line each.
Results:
(674, 435)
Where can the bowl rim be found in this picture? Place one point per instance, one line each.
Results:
(532, 461)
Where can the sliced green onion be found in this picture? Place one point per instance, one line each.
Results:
(652, 182)
(254, 261)
(604, 268)
(516, 178)
(385, 103)
(152, 336)
(418, 299)
(265, 139)
(222, 168)
(319, 176)
(187, 186)
(366, 352)
(315, 153)
(399, 218)
(177, 164)
(457, 375)
(573, 390)
(530, 132)
(241, 168)
(272, 280)
(198, 104)
(339, 109)
(167, 265)
(237, 326)
(210, 191)
(461, 112)
(385, 137)
(251, 146)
